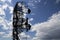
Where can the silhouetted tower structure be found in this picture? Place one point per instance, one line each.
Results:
(19, 22)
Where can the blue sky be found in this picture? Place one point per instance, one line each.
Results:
(44, 17)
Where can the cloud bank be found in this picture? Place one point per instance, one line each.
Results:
(49, 30)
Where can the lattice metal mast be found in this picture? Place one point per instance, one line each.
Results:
(19, 22)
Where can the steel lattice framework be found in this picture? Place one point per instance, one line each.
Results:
(19, 22)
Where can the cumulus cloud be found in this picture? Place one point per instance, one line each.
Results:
(5, 1)
(48, 30)
(3, 21)
(6, 24)
(3, 7)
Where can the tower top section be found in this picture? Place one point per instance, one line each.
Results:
(21, 7)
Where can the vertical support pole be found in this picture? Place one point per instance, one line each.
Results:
(15, 34)
(15, 27)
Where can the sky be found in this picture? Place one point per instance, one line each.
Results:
(44, 19)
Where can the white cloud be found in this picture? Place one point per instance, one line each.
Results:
(11, 9)
(23, 36)
(2, 11)
(4, 22)
(57, 1)
(4, 6)
(1, 33)
(48, 29)
(9, 35)
(1, 20)
(6, 0)
(2, 0)
(5, 25)
(31, 19)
